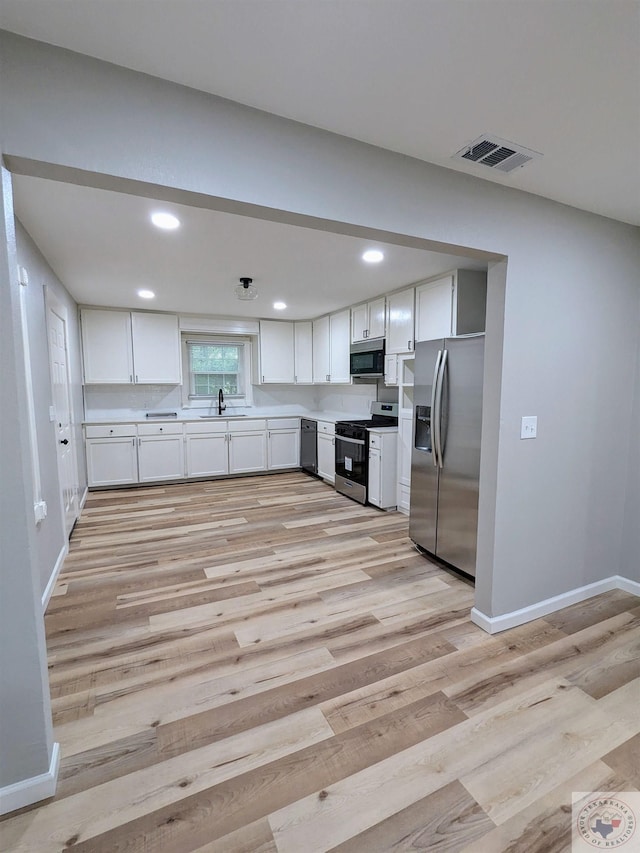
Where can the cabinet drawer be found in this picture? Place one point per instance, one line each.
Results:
(326, 427)
(246, 425)
(283, 423)
(205, 427)
(160, 429)
(110, 431)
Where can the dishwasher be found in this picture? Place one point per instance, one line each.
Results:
(309, 446)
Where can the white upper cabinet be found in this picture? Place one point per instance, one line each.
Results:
(331, 345)
(106, 346)
(120, 347)
(400, 307)
(303, 352)
(454, 304)
(368, 320)
(321, 350)
(339, 327)
(434, 302)
(156, 348)
(276, 352)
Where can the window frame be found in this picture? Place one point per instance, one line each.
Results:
(190, 401)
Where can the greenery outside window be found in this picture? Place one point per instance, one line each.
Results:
(212, 364)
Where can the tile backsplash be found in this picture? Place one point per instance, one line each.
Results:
(109, 401)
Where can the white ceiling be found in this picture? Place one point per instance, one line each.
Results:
(422, 77)
(103, 246)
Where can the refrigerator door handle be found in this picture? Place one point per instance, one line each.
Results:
(434, 421)
(438, 409)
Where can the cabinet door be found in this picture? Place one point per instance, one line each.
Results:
(207, 455)
(434, 307)
(339, 325)
(321, 350)
(391, 369)
(303, 352)
(276, 352)
(359, 323)
(112, 461)
(376, 326)
(106, 346)
(405, 442)
(326, 457)
(374, 475)
(284, 448)
(160, 458)
(247, 452)
(400, 321)
(156, 348)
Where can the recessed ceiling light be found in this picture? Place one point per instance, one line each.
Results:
(146, 294)
(373, 256)
(165, 220)
(279, 306)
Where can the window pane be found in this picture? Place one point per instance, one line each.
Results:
(214, 366)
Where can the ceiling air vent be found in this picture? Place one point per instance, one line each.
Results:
(496, 153)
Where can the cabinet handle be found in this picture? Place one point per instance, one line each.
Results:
(131, 378)
(328, 377)
(295, 378)
(409, 344)
(263, 378)
(136, 377)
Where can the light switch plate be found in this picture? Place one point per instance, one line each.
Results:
(529, 426)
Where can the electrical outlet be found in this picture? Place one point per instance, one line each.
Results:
(529, 426)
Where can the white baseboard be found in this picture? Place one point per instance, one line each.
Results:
(84, 497)
(29, 791)
(48, 591)
(495, 624)
(628, 585)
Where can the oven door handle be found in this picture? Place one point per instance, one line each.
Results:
(350, 440)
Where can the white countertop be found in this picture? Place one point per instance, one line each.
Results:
(186, 416)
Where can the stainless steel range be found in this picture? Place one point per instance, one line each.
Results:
(352, 449)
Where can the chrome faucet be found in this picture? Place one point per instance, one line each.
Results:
(221, 406)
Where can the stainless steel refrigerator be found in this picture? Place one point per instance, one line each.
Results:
(445, 457)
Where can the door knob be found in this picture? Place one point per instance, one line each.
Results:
(64, 441)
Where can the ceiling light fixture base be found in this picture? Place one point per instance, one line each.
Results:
(245, 290)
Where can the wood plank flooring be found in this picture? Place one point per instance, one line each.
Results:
(263, 665)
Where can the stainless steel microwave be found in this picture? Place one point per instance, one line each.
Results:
(367, 358)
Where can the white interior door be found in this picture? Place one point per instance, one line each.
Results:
(57, 330)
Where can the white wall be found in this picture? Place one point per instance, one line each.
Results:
(50, 535)
(630, 564)
(26, 743)
(571, 295)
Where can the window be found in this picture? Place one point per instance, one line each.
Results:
(215, 364)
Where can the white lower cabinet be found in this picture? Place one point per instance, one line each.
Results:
(207, 453)
(121, 454)
(283, 443)
(112, 455)
(225, 447)
(382, 476)
(160, 452)
(327, 451)
(247, 452)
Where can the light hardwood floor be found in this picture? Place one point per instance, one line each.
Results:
(264, 665)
